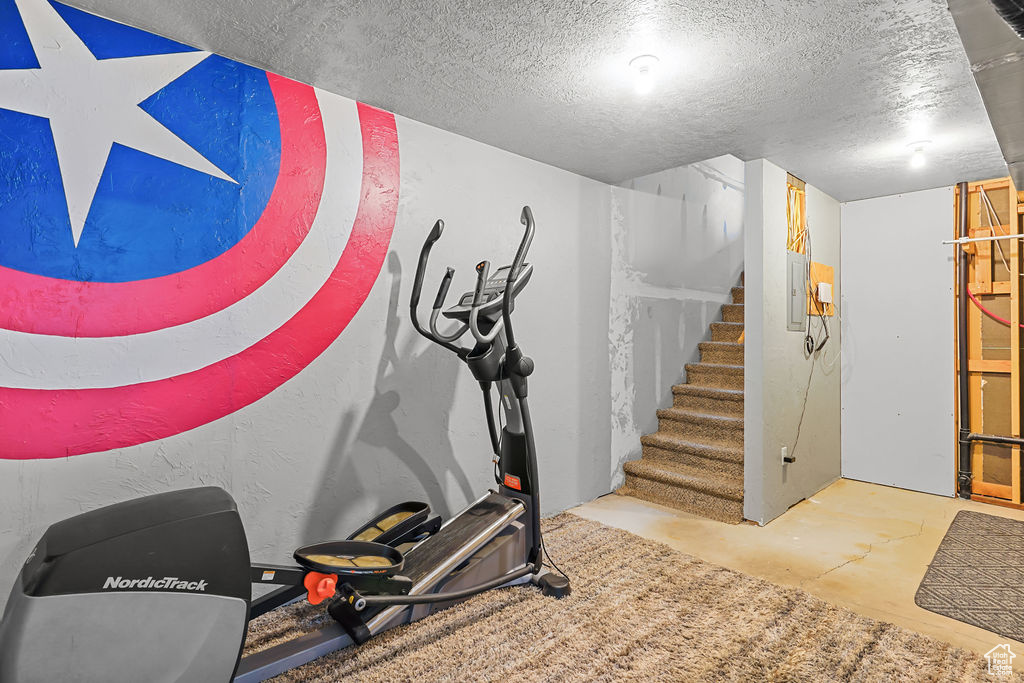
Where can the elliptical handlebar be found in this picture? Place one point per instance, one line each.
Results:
(526, 218)
(505, 323)
(482, 271)
(417, 285)
(442, 294)
(417, 290)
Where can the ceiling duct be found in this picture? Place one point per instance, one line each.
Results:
(996, 54)
(1013, 12)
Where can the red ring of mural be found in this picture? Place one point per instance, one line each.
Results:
(45, 305)
(52, 423)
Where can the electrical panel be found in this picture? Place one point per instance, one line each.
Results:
(796, 281)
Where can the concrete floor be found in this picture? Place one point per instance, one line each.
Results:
(863, 546)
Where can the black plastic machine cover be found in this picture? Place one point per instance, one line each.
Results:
(190, 541)
(1013, 12)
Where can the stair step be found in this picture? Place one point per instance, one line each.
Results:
(694, 462)
(721, 353)
(707, 375)
(684, 476)
(726, 332)
(708, 399)
(725, 430)
(722, 460)
(732, 313)
(685, 488)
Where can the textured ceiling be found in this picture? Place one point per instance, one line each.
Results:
(832, 91)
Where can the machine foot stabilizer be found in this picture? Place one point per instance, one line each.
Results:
(554, 585)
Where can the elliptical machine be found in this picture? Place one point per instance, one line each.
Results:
(159, 588)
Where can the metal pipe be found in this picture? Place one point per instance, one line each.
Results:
(968, 240)
(992, 438)
(964, 474)
(431, 598)
(381, 621)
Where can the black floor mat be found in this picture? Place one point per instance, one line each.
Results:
(977, 574)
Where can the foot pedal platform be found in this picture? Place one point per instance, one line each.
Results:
(366, 566)
(399, 524)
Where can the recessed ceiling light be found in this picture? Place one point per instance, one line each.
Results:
(644, 69)
(917, 158)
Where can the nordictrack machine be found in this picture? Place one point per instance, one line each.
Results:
(160, 588)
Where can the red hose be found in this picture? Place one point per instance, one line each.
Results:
(988, 312)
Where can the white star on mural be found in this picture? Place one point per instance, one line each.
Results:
(93, 103)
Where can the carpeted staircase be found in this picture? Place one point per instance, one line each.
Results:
(694, 462)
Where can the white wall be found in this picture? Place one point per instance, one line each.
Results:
(791, 399)
(898, 331)
(676, 251)
(382, 415)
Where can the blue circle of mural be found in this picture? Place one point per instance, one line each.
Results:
(149, 216)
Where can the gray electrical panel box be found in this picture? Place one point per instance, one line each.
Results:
(796, 281)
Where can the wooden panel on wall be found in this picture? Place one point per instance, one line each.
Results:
(820, 273)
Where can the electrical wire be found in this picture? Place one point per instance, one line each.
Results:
(543, 547)
(803, 410)
(825, 363)
(811, 344)
(990, 213)
(558, 569)
(501, 434)
(529, 481)
(988, 312)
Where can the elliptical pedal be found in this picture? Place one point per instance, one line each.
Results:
(402, 523)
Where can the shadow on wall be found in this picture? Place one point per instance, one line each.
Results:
(666, 337)
(425, 381)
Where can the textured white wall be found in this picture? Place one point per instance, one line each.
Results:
(778, 372)
(898, 354)
(383, 415)
(676, 251)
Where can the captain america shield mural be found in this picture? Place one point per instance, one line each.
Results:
(180, 234)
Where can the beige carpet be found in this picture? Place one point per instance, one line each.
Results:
(640, 611)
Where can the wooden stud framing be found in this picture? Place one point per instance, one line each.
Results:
(983, 272)
(1015, 367)
(1000, 366)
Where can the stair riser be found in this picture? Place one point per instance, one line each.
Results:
(722, 356)
(688, 500)
(720, 467)
(737, 295)
(704, 432)
(703, 404)
(732, 313)
(725, 333)
(710, 378)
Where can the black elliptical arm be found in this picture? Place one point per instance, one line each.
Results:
(513, 274)
(435, 311)
(482, 271)
(417, 289)
(517, 366)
